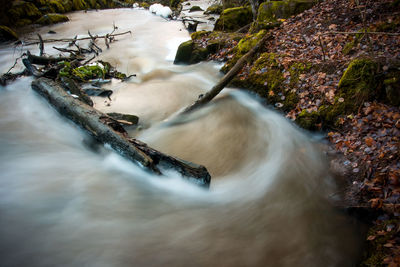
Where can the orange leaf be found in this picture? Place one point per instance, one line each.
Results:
(369, 141)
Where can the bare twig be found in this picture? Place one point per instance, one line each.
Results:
(69, 40)
(354, 33)
(322, 47)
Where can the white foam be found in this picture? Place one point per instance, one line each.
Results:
(160, 10)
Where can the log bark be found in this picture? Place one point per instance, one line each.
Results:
(108, 131)
(204, 99)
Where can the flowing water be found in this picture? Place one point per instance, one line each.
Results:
(62, 204)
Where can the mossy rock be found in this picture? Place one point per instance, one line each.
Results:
(308, 120)
(271, 11)
(214, 9)
(79, 5)
(195, 8)
(24, 10)
(84, 73)
(56, 6)
(359, 83)
(49, 19)
(199, 34)
(242, 48)
(190, 53)
(233, 19)
(7, 35)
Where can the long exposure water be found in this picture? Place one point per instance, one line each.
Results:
(62, 204)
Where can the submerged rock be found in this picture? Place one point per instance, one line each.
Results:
(6, 34)
(233, 19)
(49, 19)
(195, 8)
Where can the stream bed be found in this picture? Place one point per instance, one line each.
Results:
(63, 204)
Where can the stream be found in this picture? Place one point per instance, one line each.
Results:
(63, 204)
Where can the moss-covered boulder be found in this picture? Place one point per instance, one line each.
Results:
(79, 5)
(24, 10)
(214, 9)
(7, 35)
(49, 19)
(195, 8)
(56, 6)
(271, 11)
(190, 53)
(359, 83)
(233, 19)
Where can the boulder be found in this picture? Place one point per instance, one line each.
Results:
(24, 10)
(233, 19)
(49, 19)
(195, 8)
(271, 11)
(190, 53)
(6, 34)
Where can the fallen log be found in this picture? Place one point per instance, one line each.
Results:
(204, 99)
(108, 131)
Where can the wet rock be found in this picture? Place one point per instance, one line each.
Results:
(93, 91)
(49, 19)
(6, 34)
(233, 19)
(195, 8)
(190, 53)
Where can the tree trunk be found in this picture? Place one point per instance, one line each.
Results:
(109, 131)
(204, 99)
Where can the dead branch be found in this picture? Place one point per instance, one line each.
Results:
(204, 99)
(73, 40)
(107, 130)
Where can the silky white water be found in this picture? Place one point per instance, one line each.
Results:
(63, 204)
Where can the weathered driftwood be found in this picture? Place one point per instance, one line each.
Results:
(108, 131)
(204, 99)
(42, 60)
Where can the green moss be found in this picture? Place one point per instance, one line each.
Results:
(195, 8)
(49, 19)
(184, 52)
(6, 34)
(199, 34)
(79, 5)
(24, 10)
(233, 19)
(349, 47)
(295, 70)
(273, 10)
(56, 6)
(308, 120)
(359, 82)
(214, 9)
(88, 72)
(144, 5)
(242, 48)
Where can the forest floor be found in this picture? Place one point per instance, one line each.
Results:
(366, 143)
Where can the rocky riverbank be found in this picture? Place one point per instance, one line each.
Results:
(332, 68)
